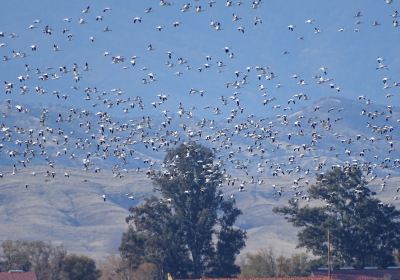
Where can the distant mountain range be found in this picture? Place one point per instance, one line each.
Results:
(71, 211)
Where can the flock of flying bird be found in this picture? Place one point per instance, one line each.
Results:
(251, 145)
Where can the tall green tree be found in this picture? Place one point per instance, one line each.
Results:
(364, 231)
(189, 229)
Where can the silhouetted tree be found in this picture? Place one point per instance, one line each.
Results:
(188, 231)
(364, 231)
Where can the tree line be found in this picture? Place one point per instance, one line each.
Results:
(49, 262)
(189, 229)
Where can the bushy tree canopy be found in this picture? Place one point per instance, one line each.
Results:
(76, 267)
(189, 230)
(364, 231)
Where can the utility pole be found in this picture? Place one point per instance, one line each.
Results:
(329, 256)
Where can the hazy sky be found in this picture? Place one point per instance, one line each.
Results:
(350, 56)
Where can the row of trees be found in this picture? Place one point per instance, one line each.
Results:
(51, 262)
(188, 230)
(47, 261)
(266, 263)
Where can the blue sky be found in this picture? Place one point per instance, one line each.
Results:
(349, 56)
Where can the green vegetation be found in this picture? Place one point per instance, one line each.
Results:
(79, 268)
(188, 231)
(364, 231)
